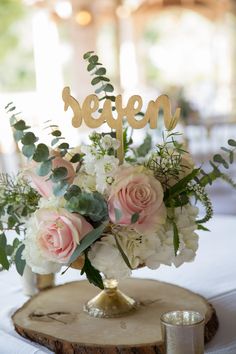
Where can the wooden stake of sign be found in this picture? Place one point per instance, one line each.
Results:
(130, 111)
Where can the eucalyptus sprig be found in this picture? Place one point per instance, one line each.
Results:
(220, 161)
(98, 72)
(39, 152)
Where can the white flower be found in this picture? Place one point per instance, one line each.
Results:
(105, 256)
(151, 250)
(108, 142)
(105, 168)
(86, 182)
(51, 202)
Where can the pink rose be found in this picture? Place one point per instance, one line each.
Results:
(44, 186)
(59, 232)
(137, 192)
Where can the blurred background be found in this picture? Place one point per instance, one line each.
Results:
(183, 48)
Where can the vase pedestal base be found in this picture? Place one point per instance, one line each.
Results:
(55, 318)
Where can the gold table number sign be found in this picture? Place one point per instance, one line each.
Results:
(91, 105)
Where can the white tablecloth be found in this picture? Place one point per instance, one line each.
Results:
(212, 274)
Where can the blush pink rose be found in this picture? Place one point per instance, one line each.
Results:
(59, 232)
(43, 185)
(136, 191)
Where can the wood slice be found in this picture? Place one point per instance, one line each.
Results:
(55, 318)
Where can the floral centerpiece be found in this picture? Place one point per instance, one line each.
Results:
(83, 207)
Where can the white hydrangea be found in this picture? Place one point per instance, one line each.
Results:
(51, 202)
(32, 255)
(105, 168)
(151, 250)
(105, 256)
(86, 182)
(107, 142)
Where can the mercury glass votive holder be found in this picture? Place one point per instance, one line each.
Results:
(183, 332)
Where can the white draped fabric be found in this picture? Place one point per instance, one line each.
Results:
(212, 274)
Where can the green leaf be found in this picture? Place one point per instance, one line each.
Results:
(91, 66)
(64, 146)
(109, 88)
(45, 168)
(76, 158)
(125, 258)
(100, 89)
(88, 54)
(28, 150)
(92, 205)
(232, 142)
(73, 191)
(118, 214)
(145, 147)
(92, 274)
(56, 133)
(100, 71)
(176, 241)
(93, 59)
(16, 242)
(134, 218)
(87, 241)
(98, 79)
(41, 154)
(18, 134)
(20, 125)
(60, 188)
(8, 105)
(29, 138)
(3, 241)
(11, 221)
(218, 158)
(59, 174)
(201, 227)
(3, 259)
(20, 263)
(180, 186)
(54, 141)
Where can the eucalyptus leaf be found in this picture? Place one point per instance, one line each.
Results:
(64, 146)
(41, 154)
(29, 138)
(76, 158)
(56, 133)
(59, 174)
(100, 71)
(18, 134)
(109, 88)
(20, 125)
(60, 188)
(91, 66)
(93, 59)
(45, 168)
(88, 54)
(28, 150)
(232, 142)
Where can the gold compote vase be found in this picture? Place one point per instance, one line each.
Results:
(110, 302)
